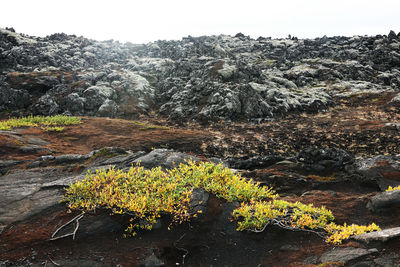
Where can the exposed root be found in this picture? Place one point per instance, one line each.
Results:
(181, 249)
(55, 263)
(285, 226)
(76, 220)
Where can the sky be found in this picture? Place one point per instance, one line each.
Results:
(150, 20)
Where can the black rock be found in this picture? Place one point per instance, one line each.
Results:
(253, 163)
(324, 160)
(392, 35)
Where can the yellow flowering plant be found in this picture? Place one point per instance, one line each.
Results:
(390, 188)
(147, 194)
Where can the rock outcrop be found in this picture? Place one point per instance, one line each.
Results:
(201, 78)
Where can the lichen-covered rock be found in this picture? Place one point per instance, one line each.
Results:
(165, 158)
(204, 78)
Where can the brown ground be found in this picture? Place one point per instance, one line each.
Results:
(96, 133)
(356, 125)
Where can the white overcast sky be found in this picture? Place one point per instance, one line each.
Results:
(149, 20)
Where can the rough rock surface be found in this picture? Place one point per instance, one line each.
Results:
(384, 169)
(29, 192)
(26, 193)
(322, 160)
(345, 255)
(202, 78)
(381, 236)
(385, 201)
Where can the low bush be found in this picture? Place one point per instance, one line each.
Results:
(52, 128)
(147, 194)
(393, 188)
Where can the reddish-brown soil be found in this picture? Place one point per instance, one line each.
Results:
(357, 125)
(96, 133)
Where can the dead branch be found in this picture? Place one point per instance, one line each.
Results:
(76, 220)
(55, 263)
(182, 249)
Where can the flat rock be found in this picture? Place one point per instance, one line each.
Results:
(388, 260)
(165, 158)
(25, 193)
(381, 236)
(152, 261)
(73, 263)
(70, 158)
(345, 255)
(384, 201)
(9, 163)
(31, 149)
(37, 141)
(254, 162)
(123, 160)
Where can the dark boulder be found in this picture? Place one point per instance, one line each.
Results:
(324, 160)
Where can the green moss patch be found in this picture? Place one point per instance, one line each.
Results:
(39, 121)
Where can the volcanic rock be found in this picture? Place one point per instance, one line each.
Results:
(207, 78)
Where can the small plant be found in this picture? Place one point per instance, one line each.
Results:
(70, 138)
(331, 264)
(145, 126)
(104, 152)
(256, 215)
(338, 233)
(153, 127)
(52, 128)
(321, 178)
(39, 121)
(393, 188)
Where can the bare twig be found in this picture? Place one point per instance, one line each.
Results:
(77, 226)
(281, 224)
(76, 220)
(55, 263)
(182, 249)
(259, 231)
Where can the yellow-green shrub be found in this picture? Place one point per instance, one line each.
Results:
(52, 128)
(393, 188)
(147, 194)
(36, 121)
(337, 233)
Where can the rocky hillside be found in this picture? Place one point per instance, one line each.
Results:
(197, 78)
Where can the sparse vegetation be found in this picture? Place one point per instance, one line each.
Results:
(393, 188)
(321, 178)
(145, 126)
(39, 121)
(338, 233)
(331, 264)
(147, 194)
(104, 153)
(52, 128)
